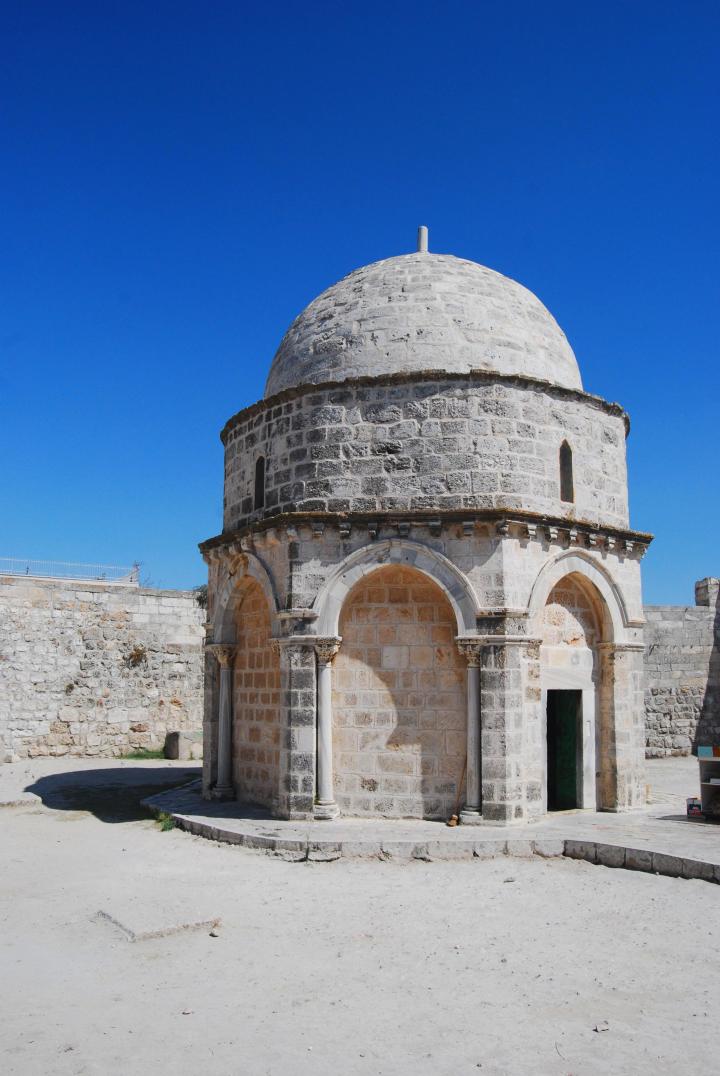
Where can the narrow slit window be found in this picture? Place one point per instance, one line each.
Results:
(259, 501)
(567, 490)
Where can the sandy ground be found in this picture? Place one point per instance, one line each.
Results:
(505, 966)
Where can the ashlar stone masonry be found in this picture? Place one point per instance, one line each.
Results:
(434, 515)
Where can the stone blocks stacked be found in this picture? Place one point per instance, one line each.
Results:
(682, 674)
(399, 709)
(96, 669)
(431, 444)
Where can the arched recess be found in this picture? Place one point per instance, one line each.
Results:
(399, 698)
(456, 587)
(256, 730)
(576, 561)
(578, 616)
(224, 621)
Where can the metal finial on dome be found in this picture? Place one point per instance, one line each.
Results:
(422, 243)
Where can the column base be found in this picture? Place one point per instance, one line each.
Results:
(222, 792)
(471, 816)
(323, 812)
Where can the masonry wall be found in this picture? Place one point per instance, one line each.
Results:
(682, 675)
(437, 444)
(256, 702)
(96, 669)
(399, 705)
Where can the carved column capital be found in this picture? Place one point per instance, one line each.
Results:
(471, 649)
(327, 648)
(224, 652)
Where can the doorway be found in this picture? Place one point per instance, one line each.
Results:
(564, 713)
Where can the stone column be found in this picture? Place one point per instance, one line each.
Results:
(298, 704)
(325, 805)
(510, 701)
(471, 813)
(224, 785)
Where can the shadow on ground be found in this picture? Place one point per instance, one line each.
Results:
(112, 795)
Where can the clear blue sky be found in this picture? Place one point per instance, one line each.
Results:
(177, 180)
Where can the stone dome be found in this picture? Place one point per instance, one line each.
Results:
(418, 313)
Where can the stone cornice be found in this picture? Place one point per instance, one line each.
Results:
(526, 526)
(424, 377)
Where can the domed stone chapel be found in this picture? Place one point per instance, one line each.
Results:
(426, 595)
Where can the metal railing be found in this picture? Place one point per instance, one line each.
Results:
(57, 569)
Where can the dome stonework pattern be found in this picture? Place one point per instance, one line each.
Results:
(423, 312)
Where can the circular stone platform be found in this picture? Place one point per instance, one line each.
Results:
(652, 840)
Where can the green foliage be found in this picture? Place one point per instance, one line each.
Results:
(165, 822)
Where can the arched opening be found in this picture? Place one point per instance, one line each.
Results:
(256, 735)
(567, 488)
(577, 694)
(259, 497)
(399, 706)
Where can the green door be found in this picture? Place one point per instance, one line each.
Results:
(563, 710)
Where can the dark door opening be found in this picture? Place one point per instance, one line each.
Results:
(563, 749)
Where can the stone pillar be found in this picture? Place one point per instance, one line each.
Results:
(325, 806)
(298, 702)
(511, 740)
(471, 813)
(210, 716)
(707, 591)
(224, 785)
(621, 765)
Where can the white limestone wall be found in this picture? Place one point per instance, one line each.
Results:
(433, 443)
(94, 669)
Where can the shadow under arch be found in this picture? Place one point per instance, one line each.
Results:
(399, 698)
(232, 593)
(402, 553)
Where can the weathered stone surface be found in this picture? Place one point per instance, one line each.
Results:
(610, 855)
(666, 864)
(493, 444)
(422, 312)
(96, 669)
(586, 850)
(637, 859)
(682, 674)
(549, 848)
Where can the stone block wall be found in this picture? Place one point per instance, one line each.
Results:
(89, 668)
(399, 709)
(257, 733)
(682, 674)
(431, 444)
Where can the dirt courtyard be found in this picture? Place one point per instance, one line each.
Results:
(502, 966)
